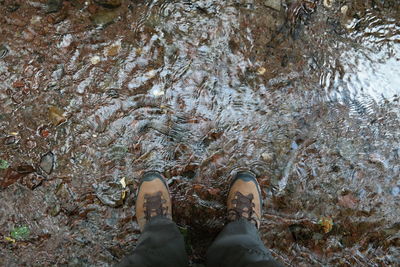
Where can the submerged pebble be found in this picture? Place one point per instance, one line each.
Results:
(13, 7)
(111, 193)
(396, 191)
(104, 17)
(95, 60)
(109, 3)
(54, 6)
(3, 51)
(47, 162)
(274, 4)
(328, 3)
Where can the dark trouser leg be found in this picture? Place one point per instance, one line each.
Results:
(161, 244)
(239, 245)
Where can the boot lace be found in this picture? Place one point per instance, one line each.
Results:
(153, 205)
(243, 207)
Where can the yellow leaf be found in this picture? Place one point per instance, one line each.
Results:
(123, 182)
(261, 70)
(7, 238)
(326, 223)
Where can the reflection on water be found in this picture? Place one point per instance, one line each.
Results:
(199, 90)
(366, 69)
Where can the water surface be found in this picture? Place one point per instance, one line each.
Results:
(199, 90)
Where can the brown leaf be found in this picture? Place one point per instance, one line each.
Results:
(56, 116)
(9, 177)
(214, 191)
(25, 169)
(18, 84)
(13, 175)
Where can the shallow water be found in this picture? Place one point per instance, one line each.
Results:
(199, 90)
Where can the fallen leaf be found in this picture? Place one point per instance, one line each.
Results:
(214, 191)
(326, 223)
(44, 133)
(20, 233)
(123, 182)
(25, 169)
(56, 116)
(18, 84)
(112, 50)
(261, 70)
(4, 164)
(10, 176)
(7, 238)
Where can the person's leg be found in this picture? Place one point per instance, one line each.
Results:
(161, 243)
(239, 244)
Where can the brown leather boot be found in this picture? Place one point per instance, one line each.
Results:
(244, 199)
(153, 199)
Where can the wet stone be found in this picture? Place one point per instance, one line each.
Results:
(47, 162)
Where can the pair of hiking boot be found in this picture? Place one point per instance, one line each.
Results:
(244, 199)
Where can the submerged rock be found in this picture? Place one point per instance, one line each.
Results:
(109, 3)
(111, 193)
(47, 162)
(3, 51)
(13, 7)
(54, 6)
(274, 4)
(104, 17)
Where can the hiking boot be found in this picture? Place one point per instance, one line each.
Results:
(153, 199)
(244, 199)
